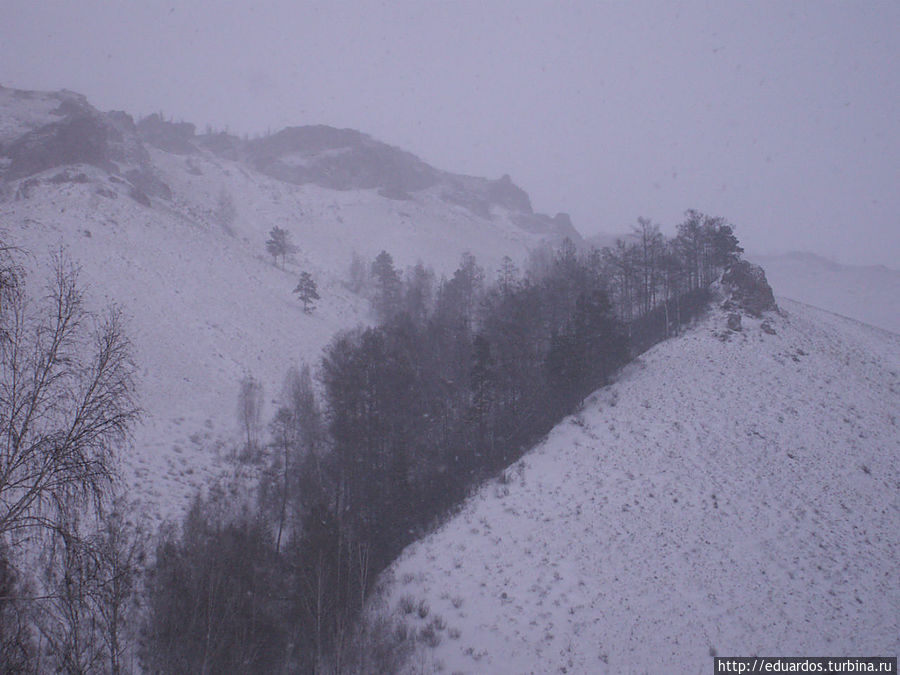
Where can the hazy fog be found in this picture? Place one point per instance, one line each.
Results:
(781, 116)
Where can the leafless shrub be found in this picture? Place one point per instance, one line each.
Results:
(407, 604)
(380, 645)
(429, 635)
(88, 617)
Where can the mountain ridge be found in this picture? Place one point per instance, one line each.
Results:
(177, 239)
(730, 493)
(75, 132)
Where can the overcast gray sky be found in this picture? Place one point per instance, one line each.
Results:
(781, 116)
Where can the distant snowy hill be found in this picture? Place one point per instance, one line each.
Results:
(139, 207)
(870, 294)
(730, 494)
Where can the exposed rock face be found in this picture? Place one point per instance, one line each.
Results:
(505, 193)
(79, 139)
(475, 203)
(340, 159)
(746, 288)
(734, 322)
(85, 136)
(169, 136)
(62, 129)
(222, 144)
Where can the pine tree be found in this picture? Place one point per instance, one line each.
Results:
(387, 286)
(507, 275)
(726, 248)
(357, 274)
(307, 292)
(458, 298)
(418, 291)
(279, 244)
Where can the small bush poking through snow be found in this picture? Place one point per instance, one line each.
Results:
(429, 636)
(407, 604)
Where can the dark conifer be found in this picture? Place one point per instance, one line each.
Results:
(307, 291)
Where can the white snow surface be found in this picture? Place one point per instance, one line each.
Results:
(867, 293)
(24, 111)
(730, 494)
(207, 306)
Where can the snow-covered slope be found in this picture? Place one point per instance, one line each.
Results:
(24, 111)
(206, 302)
(730, 494)
(868, 293)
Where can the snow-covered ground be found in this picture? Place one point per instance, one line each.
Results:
(730, 494)
(867, 293)
(208, 306)
(21, 112)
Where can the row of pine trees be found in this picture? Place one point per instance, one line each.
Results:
(274, 567)
(457, 379)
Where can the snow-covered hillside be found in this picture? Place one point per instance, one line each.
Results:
(730, 494)
(206, 302)
(868, 293)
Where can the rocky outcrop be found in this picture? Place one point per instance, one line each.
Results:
(340, 159)
(174, 137)
(83, 135)
(81, 139)
(222, 144)
(65, 130)
(507, 194)
(746, 288)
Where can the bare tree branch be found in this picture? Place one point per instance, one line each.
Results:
(66, 398)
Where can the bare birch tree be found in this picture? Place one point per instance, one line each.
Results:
(66, 398)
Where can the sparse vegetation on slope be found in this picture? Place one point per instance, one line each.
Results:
(730, 493)
(420, 409)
